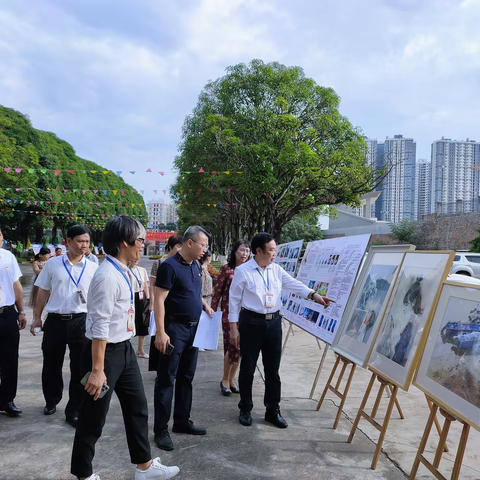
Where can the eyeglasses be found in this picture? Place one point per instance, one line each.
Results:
(141, 240)
(244, 250)
(204, 245)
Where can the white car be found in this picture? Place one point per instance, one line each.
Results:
(466, 263)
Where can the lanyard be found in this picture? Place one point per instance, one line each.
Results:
(125, 277)
(137, 279)
(70, 275)
(267, 283)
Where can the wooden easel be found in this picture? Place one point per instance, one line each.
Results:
(382, 428)
(343, 395)
(433, 468)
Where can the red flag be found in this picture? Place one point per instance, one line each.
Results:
(57, 172)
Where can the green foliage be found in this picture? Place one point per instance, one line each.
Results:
(22, 146)
(300, 228)
(475, 243)
(285, 134)
(404, 231)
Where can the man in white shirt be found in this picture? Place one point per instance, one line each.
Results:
(64, 282)
(90, 256)
(12, 320)
(110, 358)
(255, 301)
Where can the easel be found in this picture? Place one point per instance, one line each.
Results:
(382, 428)
(343, 395)
(433, 468)
(322, 361)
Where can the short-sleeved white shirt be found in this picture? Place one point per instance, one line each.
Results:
(9, 273)
(64, 297)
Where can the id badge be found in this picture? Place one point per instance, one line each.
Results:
(131, 319)
(269, 300)
(82, 298)
(140, 294)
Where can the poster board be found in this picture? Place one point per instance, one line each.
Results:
(367, 303)
(408, 314)
(450, 364)
(287, 258)
(329, 267)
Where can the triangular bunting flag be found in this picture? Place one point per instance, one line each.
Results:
(57, 172)
(119, 173)
(162, 173)
(114, 192)
(201, 170)
(70, 171)
(149, 170)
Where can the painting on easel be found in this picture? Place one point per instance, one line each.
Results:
(368, 300)
(450, 364)
(395, 353)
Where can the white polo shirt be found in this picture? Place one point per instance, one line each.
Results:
(9, 273)
(250, 285)
(64, 298)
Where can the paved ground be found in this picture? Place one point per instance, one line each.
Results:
(36, 447)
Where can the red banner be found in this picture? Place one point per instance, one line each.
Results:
(159, 236)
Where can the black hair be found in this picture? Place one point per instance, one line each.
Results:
(59, 248)
(260, 240)
(207, 254)
(192, 233)
(121, 228)
(77, 230)
(172, 241)
(232, 260)
(43, 251)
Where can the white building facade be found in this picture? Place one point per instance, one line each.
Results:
(398, 187)
(160, 212)
(423, 188)
(455, 176)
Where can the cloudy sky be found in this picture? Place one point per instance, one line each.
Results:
(117, 78)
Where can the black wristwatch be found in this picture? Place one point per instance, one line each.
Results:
(311, 294)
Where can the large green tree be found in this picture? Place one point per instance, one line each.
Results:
(286, 136)
(69, 198)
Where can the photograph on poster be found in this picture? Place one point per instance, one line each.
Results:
(408, 310)
(367, 303)
(329, 267)
(449, 370)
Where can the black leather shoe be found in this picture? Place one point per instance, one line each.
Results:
(225, 391)
(49, 410)
(189, 428)
(234, 389)
(72, 420)
(275, 417)
(245, 418)
(10, 409)
(163, 441)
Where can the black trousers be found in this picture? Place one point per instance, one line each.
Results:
(57, 334)
(9, 342)
(179, 368)
(123, 377)
(258, 334)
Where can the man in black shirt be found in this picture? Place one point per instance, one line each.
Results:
(178, 306)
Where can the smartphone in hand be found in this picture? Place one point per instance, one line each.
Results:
(169, 349)
(105, 387)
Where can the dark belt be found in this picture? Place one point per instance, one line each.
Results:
(66, 316)
(6, 307)
(265, 316)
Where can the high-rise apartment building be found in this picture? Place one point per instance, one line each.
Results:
(455, 176)
(160, 212)
(398, 187)
(423, 188)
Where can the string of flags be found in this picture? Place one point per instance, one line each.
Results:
(106, 172)
(68, 215)
(42, 202)
(122, 192)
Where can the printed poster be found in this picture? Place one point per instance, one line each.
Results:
(330, 268)
(287, 258)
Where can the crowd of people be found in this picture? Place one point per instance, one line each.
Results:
(96, 310)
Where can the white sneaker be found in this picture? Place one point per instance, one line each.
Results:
(156, 471)
(93, 476)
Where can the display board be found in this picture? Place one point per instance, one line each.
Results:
(450, 364)
(367, 303)
(329, 267)
(407, 316)
(287, 258)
